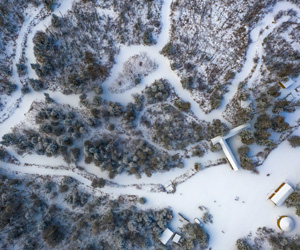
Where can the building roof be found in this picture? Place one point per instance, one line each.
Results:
(176, 238)
(222, 140)
(166, 236)
(285, 85)
(233, 162)
(286, 223)
(281, 194)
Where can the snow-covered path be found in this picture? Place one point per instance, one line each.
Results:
(255, 49)
(164, 70)
(17, 95)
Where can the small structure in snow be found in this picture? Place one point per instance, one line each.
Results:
(287, 84)
(176, 238)
(166, 236)
(222, 140)
(281, 194)
(169, 187)
(285, 223)
(198, 221)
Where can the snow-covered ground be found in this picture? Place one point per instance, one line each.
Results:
(216, 187)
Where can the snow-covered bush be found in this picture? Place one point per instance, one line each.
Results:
(159, 91)
(245, 161)
(247, 137)
(294, 141)
(215, 128)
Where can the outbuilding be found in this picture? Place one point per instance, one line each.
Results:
(279, 196)
(285, 223)
(176, 238)
(226, 149)
(286, 84)
(166, 236)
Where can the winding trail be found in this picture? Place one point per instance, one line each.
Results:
(163, 71)
(255, 49)
(17, 95)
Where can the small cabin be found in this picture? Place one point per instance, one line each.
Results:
(287, 84)
(176, 238)
(279, 196)
(166, 236)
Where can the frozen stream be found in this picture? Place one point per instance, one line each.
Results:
(216, 187)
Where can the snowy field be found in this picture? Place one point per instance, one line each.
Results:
(216, 188)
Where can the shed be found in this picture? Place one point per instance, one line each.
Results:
(287, 84)
(166, 236)
(176, 238)
(281, 194)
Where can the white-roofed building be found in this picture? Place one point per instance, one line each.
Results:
(222, 140)
(285, 223)
(166, 236)
(286, 84)
(279, 196)
(176, 238)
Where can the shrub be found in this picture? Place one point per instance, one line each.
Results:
(282, 105)
(142, 200)
(25, 90)
(242, 244)
(294, 141)
(294, 201)
(197, 151)
(159, 91)
(278, 124)
(246, 162)
(263, 122)
(195, 237)
(63, 188)
(216, 128)
(197, 166)
(247, 137)
(244, 150)
(274, 90)
(53, 235)
(98, 183)
(37, 85)
(182, 105)
(75, 154)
